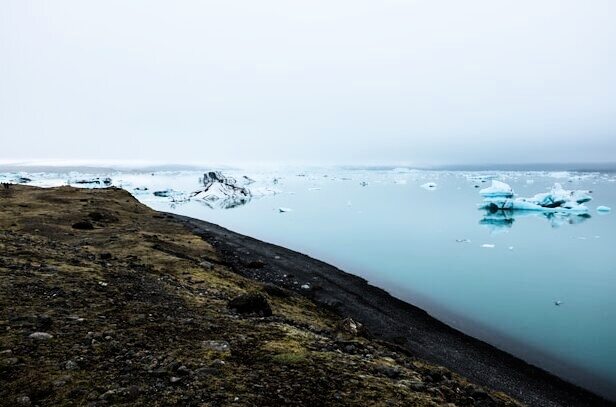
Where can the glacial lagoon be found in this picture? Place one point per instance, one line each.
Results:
(541, 286)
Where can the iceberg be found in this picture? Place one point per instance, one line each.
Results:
(221, 191)
(603, 209)
(500, 196)
(497, 190)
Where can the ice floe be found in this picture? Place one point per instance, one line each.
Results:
(500, 196)
(603, 209)
(430, 186)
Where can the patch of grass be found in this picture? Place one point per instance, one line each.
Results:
(290, 358)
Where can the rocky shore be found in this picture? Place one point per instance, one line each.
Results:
(104, 301)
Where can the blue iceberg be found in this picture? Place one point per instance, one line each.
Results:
(500, 196)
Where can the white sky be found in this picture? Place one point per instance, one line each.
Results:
(424, 82)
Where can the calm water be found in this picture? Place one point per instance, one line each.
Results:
(426, 247)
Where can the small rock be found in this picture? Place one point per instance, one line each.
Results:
(350, 327)
(256, 264)
(105, 256)
(23, 401)
(40, 336)
(440, 374)
(175, 379)
(184, 371)
(251, 303)
(83, 225)
(392, 372)
(10, 361)
(276, 291)
(218, 346)
(71, 365)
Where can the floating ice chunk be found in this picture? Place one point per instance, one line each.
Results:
(165, 193)
(363, 183)
(497, 190)
(401, 170)
(604, 209)
(500, 196)
(264, 191)
(560, 197)
(488, 245)
(222, 190)
(282, 210)
(511, 247)
(463, 240)
(558, 303)
(559, 174)
(430, 186)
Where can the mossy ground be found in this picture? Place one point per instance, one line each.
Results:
(138, 311)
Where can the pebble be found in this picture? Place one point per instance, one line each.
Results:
(71, 365)
(40, 336)
(23, 401)
(218, 346)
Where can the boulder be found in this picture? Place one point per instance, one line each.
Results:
(251, 303)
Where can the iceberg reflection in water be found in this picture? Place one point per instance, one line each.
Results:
(501, 220)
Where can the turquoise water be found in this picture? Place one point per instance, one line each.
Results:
(426, 247)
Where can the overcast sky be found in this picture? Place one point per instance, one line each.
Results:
(381, 81)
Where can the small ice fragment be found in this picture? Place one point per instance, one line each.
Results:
(363, 183)
(164, 193)
(511, 247)
(282, 210)
(603, 209)
(314, 189)
(430, 186)
(463, 240)
(558, 302)
(488, 245)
